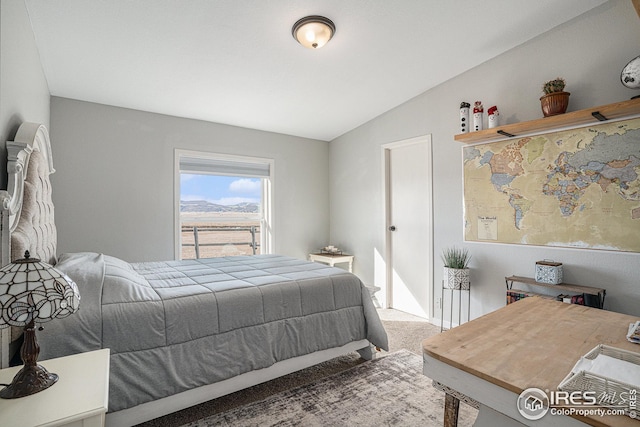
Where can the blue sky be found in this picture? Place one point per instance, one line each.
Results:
(222, 190)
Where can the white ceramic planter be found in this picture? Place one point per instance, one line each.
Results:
(457, 278)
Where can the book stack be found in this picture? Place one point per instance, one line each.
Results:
(513, 296)
(634, 332)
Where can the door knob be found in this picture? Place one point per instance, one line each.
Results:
(392, 228)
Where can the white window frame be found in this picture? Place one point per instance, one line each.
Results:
(266, 222)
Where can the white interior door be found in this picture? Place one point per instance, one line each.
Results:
(409, 232)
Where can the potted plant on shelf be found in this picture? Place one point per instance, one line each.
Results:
(555, 100)
(456, 270)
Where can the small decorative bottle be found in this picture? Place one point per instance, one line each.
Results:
(464, 117)
(493, 116)
(478, 112)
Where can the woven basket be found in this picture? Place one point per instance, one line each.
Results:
(555, 103)
(602, 385)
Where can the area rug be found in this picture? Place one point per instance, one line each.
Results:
(387, 391)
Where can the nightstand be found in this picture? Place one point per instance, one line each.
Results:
(332, 259)
(78, 399)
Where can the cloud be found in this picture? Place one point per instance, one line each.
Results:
(187, 176)
(245, 186)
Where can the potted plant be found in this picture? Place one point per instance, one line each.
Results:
(456, 270)
(555, 100)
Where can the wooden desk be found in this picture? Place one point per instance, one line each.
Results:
(534, 342)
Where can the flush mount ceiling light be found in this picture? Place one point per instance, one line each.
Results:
(313, 32)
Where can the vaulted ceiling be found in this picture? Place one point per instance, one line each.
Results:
(235, 61)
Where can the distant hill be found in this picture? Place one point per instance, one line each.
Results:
(204, 206)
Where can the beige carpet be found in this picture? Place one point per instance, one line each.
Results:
(404, 331)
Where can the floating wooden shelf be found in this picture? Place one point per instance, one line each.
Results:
(567, 120)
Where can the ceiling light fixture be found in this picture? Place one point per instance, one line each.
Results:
(314, 31)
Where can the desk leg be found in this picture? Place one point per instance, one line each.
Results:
(451, 407)
(351, 266)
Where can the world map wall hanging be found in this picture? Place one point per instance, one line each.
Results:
(577, 188)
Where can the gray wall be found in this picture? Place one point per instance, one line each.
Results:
(114, 180)
(589, 52)
(24, 93)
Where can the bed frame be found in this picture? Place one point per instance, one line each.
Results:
(27, 222)
(176, 402)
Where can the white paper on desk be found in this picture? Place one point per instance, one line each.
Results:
(634, 332)
(610, 367)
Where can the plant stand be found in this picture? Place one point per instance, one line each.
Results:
(460, 291)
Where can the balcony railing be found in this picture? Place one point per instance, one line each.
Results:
(219, 240)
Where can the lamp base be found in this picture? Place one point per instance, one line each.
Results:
(29, 380)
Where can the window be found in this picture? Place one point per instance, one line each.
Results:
(223, 205)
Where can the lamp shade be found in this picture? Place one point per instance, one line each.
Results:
(31, 290)
(313, 32)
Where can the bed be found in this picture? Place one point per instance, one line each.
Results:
(182, 332)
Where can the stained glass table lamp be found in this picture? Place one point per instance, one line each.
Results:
(31, 292)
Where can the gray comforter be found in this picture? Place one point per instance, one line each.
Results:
(172, 326)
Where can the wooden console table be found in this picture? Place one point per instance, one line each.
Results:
(534, 342)
(594, 297)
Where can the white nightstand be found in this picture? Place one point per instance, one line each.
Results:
(332, 259)
(78, 399)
